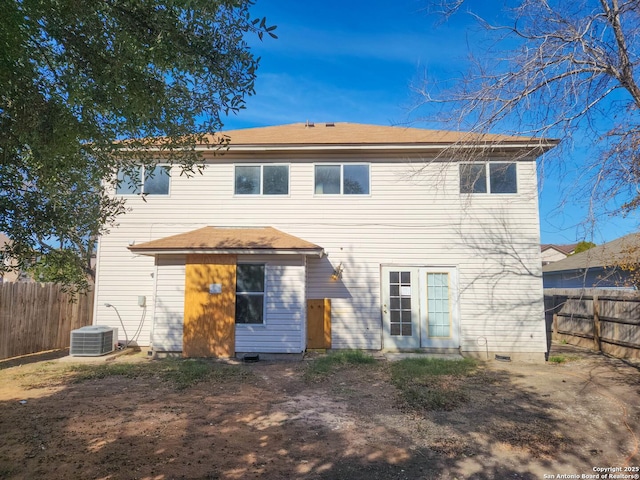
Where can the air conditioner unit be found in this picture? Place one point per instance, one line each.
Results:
(93, 341)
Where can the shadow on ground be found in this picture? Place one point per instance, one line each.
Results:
(519, 421)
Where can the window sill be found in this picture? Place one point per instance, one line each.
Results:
(245, 326)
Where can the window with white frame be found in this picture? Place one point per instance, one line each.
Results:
(488, 177)
(250, 289)
(156, 180)
(261, 180)
(342, 179)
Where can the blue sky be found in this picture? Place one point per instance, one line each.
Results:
(361, 61)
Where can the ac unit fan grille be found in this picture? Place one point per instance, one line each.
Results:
(89, 341)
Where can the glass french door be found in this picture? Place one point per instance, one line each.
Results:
(419, 307)
(400, 309)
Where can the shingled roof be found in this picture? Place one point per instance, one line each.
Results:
(342, 133)
(236, 240)
(566, 249)
(604, 255)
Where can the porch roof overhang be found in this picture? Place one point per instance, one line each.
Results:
(229, 240)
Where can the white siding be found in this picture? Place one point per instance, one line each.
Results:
(169, 313)
(493, 240)
(121, 278)
(285, 312)
(285, 315)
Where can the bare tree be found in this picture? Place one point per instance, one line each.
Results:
(557, 69)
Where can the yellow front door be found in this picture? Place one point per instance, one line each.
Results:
(209, 306)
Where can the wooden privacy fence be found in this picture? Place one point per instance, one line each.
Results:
(35, 317)
(604, 320)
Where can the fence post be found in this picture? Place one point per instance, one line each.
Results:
(555, 318)
(596, 323)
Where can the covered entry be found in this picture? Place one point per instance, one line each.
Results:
(420, 307)
(242, 290)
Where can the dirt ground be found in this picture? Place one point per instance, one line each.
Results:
(520, 421)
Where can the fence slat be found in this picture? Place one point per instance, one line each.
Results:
(37, 317)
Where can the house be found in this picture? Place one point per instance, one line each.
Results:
(332, 235)
(596, 267)
(10, 275)
(553, 253)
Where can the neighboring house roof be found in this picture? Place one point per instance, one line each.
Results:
(565, 249)
(601, 256)
(229, 240)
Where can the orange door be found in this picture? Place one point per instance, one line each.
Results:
(209, 306)
(319, 323)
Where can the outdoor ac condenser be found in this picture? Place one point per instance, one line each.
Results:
(93, 341)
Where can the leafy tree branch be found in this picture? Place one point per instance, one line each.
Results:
(87, 88)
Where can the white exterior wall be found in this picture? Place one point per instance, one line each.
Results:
(285, 313)
(493, 240)
(169, 311)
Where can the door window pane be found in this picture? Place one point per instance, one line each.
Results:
(276, 180)
(502, 177)
(356, 179)
(247, 180)
(327, 179)
(400, 314)
(439, 318)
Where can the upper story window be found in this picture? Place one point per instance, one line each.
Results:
(349, 179)
(262, 180)
(156, 180)
(488, 177)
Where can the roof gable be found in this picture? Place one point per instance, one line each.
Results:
(564, 249)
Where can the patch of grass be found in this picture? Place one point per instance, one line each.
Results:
(322, 366)
(561, 358)
(432, 383)
(411, 368)
(6, 472)
(181, 373)
(42, 375)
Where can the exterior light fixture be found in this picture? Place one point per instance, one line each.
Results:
(337, 272)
